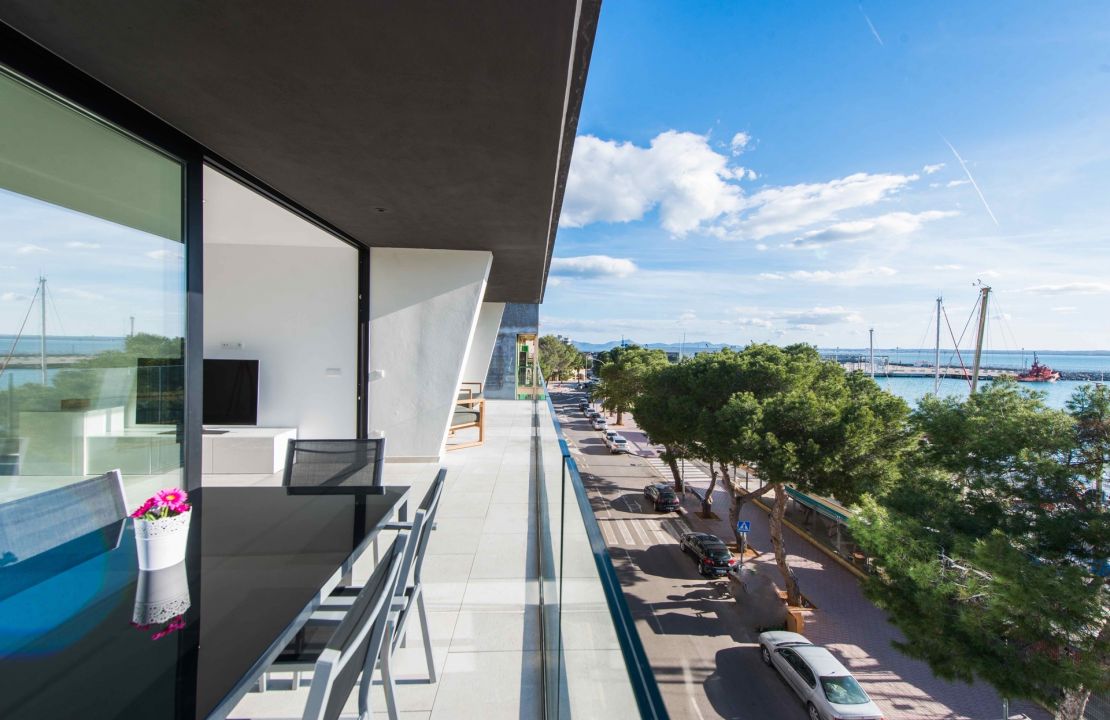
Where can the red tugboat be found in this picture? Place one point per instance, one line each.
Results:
(1038, 373)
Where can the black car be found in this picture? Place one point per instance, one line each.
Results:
(663, 497)
(709, 551)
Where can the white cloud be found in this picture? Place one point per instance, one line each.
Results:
(679, 173)
(771, 276)
(988, 274)
(890, 224)
(790, 208)
(930, 169)
(81, 294)
(753, 322)
(79, 245)
(818, 316)
(12, 297)
(739, 142)
(164, 255)
(592, 266)
(957, 183)
(1065, 309)
(948, 267)
(1075, 288)
(850, 276)
(31, 250)
(688, 316)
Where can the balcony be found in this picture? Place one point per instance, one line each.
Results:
(527, 617)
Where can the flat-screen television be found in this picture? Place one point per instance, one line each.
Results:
(230, 392)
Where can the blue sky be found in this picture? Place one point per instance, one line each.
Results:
(797, 171)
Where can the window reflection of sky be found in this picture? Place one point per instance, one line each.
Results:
(99, 273)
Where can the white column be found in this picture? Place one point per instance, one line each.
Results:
(481, 348)
(424, 308)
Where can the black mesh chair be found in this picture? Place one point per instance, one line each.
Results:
(338, 654)
(334, 463)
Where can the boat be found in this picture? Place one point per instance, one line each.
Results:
(1038, 373)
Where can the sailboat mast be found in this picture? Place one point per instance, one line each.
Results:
(979, 337)
(871, 344)
(936, 356)
(42, 337)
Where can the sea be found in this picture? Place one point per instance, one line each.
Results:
(911, 389)
(55, 345)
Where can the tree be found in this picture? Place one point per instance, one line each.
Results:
(1090, 406)
(667, 412)
(624, 376)
(992, 560)
(807, 424)
(559, 358)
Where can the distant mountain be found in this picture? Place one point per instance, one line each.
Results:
(689, 347)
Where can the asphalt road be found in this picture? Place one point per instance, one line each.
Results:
(705, 659)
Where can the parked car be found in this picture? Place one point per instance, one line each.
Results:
(609, 435)
(583, 406)
(709, 551)
(824, 685)
(663, 497)
(616, 443)
(599, 423)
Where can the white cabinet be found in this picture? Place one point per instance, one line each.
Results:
(245, 450)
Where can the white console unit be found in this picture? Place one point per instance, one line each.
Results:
(245, 450)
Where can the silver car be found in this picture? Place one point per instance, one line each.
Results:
(824, 685)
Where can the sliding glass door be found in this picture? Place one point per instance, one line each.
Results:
(92, 300)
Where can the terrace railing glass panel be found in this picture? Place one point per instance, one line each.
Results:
(594, 662)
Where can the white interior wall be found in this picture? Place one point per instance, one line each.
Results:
(280, 290)
(485, 337)
(424, 306)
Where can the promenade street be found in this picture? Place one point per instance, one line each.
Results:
(704, 656)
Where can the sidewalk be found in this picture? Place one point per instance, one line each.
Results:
(846, 622)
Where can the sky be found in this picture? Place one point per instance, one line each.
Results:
(806, 171)
(99, 274)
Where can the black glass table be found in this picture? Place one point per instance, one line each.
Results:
(84, 633)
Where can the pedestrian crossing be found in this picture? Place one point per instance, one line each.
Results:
(690, 471)
(642, 532)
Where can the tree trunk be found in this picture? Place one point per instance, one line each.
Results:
(1073, 704)
(707, 501)
(734, 517)
(620, 415)
(778, 510)
(672, 463)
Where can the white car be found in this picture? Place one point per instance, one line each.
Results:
(616, 443)
(824, 685)
(599, 423)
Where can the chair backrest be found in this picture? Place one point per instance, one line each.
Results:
(430, 507)
(34, 524)
(357, 641)
(334, 463)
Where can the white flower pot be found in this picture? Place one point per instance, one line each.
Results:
(161, 543)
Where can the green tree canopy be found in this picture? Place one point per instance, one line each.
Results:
(989, 555)
(624, 377)
(559, 359)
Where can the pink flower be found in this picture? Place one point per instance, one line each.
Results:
(180, 508)
(170, 498)
(144, 508)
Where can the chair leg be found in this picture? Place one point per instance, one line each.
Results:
(262, 682)
(427, 632)
(388, 683)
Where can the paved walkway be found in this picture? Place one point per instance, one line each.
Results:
(846, 622)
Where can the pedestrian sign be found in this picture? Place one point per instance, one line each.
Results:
(743, 526)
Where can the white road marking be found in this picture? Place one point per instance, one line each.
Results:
(691, 690)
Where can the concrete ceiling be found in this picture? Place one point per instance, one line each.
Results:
(409, 123)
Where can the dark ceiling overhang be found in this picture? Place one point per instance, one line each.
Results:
(411, 123)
